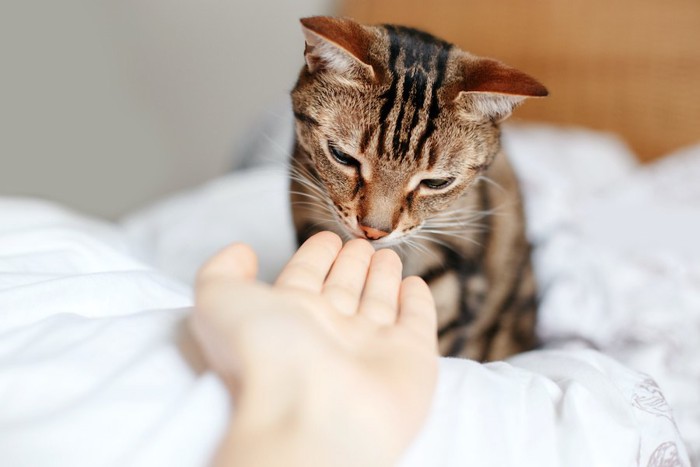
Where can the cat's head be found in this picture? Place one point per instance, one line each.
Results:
(397, 123)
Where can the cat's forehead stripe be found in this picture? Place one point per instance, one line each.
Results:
(434, 109)
(389, 96)
(367, 133)
(417, 60)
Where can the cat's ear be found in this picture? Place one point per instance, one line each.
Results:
(337, 44)
(491, 89)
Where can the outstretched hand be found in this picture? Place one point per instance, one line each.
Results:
(340, 350)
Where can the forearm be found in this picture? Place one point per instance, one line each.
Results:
(245, 446)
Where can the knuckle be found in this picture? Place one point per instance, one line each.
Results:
(379, 306)
(361, 245)
(337, 289)
(304, 269)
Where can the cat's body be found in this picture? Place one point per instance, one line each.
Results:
(398, 142)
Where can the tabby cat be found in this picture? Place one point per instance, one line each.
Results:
(397, 141)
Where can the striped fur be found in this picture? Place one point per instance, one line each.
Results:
(397, 132)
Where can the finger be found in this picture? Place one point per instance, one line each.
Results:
(343, 287)
(310, 264)
(236, 262)
(233, 267)
(417, 309)
(380, 297)
(218, 282)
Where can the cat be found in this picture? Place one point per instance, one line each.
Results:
(398, 141)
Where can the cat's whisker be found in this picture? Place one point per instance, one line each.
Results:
(302, 167)
(304, 173)
(491, 182)
(306, 178)
(454, 230)
(421, 241)
(417, 246)
(314, 189)
(313, 194)
(276, 145)
(281, 116)
(399, 247)
(322, 221)
(450, 233)
(454, 224)
(448, 222)
(303, 193)
(346, 236)
(432, 239)
(310, 185)
(315, 202)
(468, 214)
(470, 222)
(464, 231)
(467, 238)
(414, 247)
(307, 203)
(281, 156)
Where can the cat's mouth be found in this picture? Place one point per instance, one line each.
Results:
(394, 238)
(385, 242)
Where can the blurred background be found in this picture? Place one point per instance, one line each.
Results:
(106, 105)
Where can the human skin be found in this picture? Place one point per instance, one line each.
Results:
(333, 365)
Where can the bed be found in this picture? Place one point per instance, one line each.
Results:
(98, 368)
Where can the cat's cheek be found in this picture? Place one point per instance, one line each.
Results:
(427, 206)
(445, 200)
(410, 227)
(338, 184)
(340, 187)
(347, 215)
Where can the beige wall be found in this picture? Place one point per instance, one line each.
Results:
(106, 105)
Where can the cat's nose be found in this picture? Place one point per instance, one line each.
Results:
(372, 233)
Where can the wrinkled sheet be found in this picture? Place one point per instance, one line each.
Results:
(98, 369)
(616, 255)
(97, 366)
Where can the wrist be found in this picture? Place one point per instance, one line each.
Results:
(301, 431)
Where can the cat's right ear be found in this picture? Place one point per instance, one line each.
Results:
(491, 89)
(336, 44)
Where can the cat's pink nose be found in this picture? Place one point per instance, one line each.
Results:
(372, 233)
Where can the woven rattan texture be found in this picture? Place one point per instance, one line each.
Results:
(627, 66)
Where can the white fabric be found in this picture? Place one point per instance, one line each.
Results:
(618, 255)
(96, 367)
(91, 371)
(616, 250)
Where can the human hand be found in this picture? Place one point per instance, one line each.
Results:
(340, 347)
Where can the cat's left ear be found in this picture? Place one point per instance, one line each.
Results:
(337, 44)
(491, 89)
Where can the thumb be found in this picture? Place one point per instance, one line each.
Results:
(236, 262)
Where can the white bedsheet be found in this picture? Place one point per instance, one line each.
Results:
(616, 249)
(96, 367)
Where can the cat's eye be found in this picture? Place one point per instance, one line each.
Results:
(437, 183)
(343, 158)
